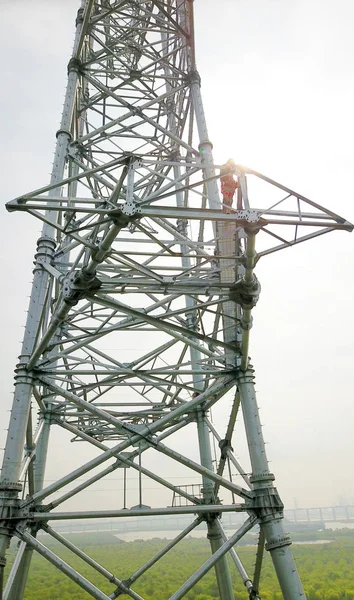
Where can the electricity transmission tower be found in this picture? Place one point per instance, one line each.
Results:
(138, 250)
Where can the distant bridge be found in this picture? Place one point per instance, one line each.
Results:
(343, 514)
(296, 516)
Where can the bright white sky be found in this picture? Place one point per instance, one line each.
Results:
(278, 88)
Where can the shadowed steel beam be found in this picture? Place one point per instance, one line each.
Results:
(61, 565)
(138, 512)
(121, 460)
(213, 559)
(93, 563)
(239, 566)
(259, 560)
(13, 573)
(164, 550)
(200, 469)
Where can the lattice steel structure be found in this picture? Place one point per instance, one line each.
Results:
(136, 244)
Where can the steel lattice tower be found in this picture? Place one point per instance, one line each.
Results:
(136, 244)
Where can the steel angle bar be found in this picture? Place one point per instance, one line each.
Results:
(111, 380)
(209, 288)
(161, 189)
(138, 512)
(165, 550)
(168, 327)
(124, 324)
(86, 17)
(145, 209)
(87, 406)
(132, 111)
(184, 460)
(216, 390)
(291, 192)
(31, 453)
(160, 480)
(79, 433)
(120, 459)
(71, 493)
(316, 223)
(296, 214)
(135, 266)
(78, 239)
(238, 563)
(98, 333)
(162, 193)
(290, 243)
(173, 334)
(229, 454)
(170, 19)
(259, 560)
(166, 246)
(141, 361)
(119, 373)
(129, 372)
(180, 238)
(61, 565)
(19, 203)
(93, 563)
(213, 559)
(14, 568)
(86, 279)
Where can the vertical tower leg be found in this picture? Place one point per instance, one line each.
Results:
(9, 482)
(268, 506)
(16, 584)
(221, 568)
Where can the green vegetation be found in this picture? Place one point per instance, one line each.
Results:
(326, 568)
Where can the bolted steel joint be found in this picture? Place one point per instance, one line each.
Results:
(193, 77)
(45, 251)
(246, 324)
(182, 226)
(22, 375)
(134, 74)
(212, 516)
(267, 504)
(125, 215)
(10, 486)
(131, 209)
(224, 446)
(77, 284)
(10, 511)
(250, 216)
(74, 64)
(79, 16)
(261, 477)
(246, 294)
(204, 147)
(272, 545)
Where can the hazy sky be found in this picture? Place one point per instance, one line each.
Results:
(278, 87)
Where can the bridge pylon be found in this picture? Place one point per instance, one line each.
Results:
(141, 309)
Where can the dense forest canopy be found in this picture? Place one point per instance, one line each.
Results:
(326, 568)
